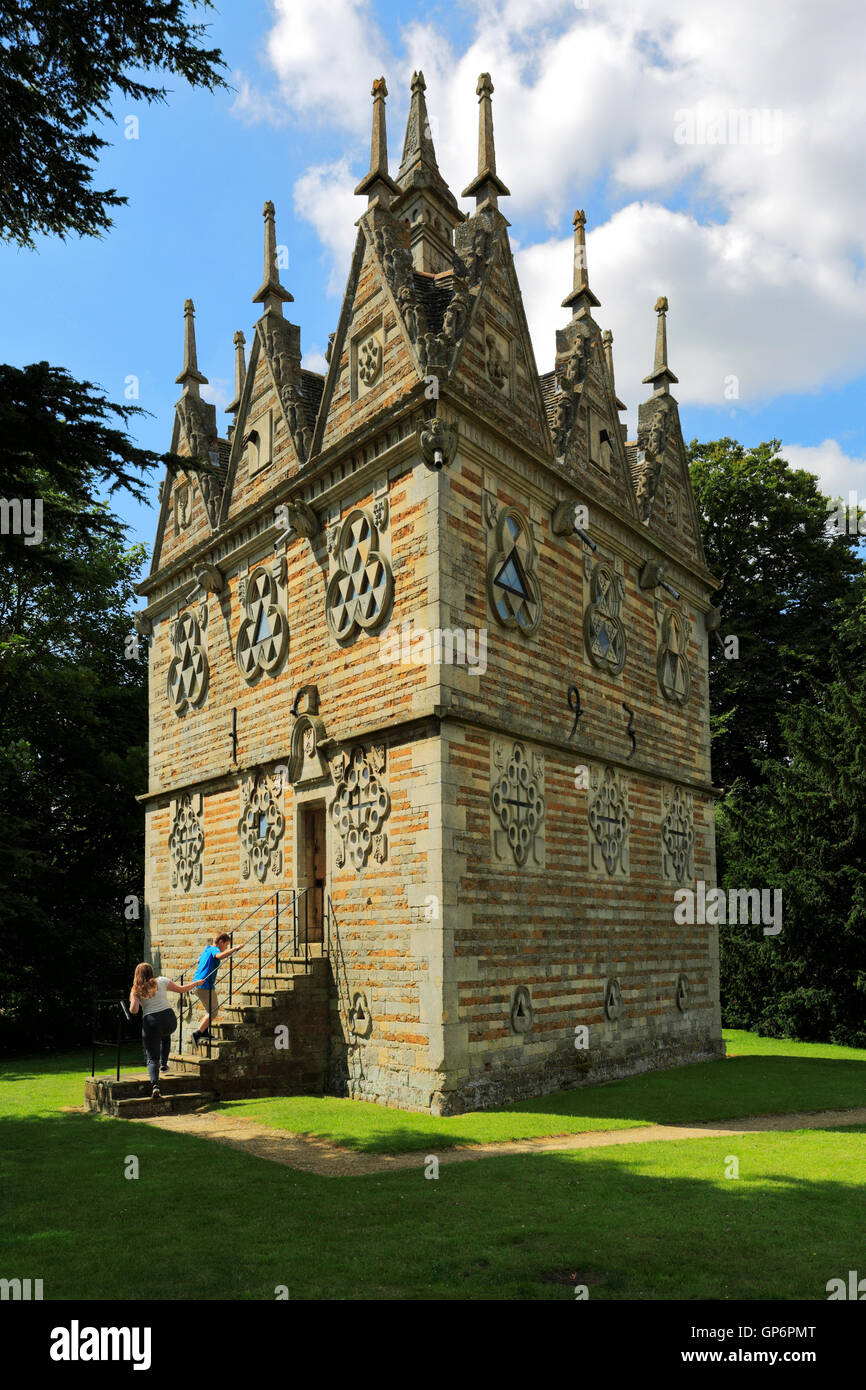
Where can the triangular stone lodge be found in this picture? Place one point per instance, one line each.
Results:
(471, 874)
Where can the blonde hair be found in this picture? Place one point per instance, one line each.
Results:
(144, 984)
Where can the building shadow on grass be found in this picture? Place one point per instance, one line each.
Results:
(652, 1222)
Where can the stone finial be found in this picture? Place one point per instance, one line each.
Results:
(240, 373)
(272, 295)
(661, 375)
(190, 377)
(486, 187)
(581, 299)
(418, 167)
(607, 344)
(378, 184)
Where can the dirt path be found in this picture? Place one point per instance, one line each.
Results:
(314, 1155)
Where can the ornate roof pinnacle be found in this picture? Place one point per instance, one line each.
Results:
(190, 377)
(378, 184)
(240, 373)
(486, 187)
(581, 298)
(272, 294)
(661, 375)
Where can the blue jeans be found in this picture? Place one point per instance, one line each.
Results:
(156, 1047)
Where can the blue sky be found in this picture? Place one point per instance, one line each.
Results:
(758, 245)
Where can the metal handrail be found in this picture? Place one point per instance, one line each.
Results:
(296, 894)
(110, 1042)
(255, 943)
(240, 924)
(275, 897)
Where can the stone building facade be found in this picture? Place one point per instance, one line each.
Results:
(428, 640)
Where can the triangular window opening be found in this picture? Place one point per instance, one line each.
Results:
(512, 577)
(263, 627)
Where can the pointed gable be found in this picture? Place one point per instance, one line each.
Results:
(272, 438)
(494, 366)
(190, 497)
(375, 358)
(663, 488)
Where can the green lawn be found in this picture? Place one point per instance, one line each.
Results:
(647, 1221)
(759, 1076)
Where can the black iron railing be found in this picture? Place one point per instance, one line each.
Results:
(267, 946)
(118, 1005)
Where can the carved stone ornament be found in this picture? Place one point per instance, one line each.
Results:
(182, 500)
(360, 807)
(678, 835)
(517, 798)
(512, 586)
(186, 841)
(360, 592)
(438, 441)
(521, 1010)
(603, 630)
(260, 828)
(613, 1000)
(654, 422)
(609, 821)
(187, 679)
(672, 666)
(380, 512)
(360, 1018)
(306, 762)
(497, 362)
(302, 518)
(263, 637)
(683, 993)
(369, 360)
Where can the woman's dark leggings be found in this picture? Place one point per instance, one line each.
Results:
(156, 1048)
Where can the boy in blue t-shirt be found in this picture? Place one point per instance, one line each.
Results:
(205, 980)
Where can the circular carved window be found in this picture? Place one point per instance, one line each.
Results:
(603, 631)
(512, 586)
(361, 589)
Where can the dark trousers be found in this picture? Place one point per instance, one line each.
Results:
(156, 1047)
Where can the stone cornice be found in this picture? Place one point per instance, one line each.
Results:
(429, 725)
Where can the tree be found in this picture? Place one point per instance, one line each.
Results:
(62, 60)
(785, 587)
(803, 831)
(73, 707)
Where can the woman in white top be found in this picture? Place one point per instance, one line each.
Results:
(158, 1020)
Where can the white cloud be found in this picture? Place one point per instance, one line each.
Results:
(314, 361)
(219, 392)
(761, 254)
(837, 472)
(324, 196)
(325, 54)
(738, 307)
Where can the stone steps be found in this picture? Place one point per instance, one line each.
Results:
(131, 1098)
(248, 1055)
